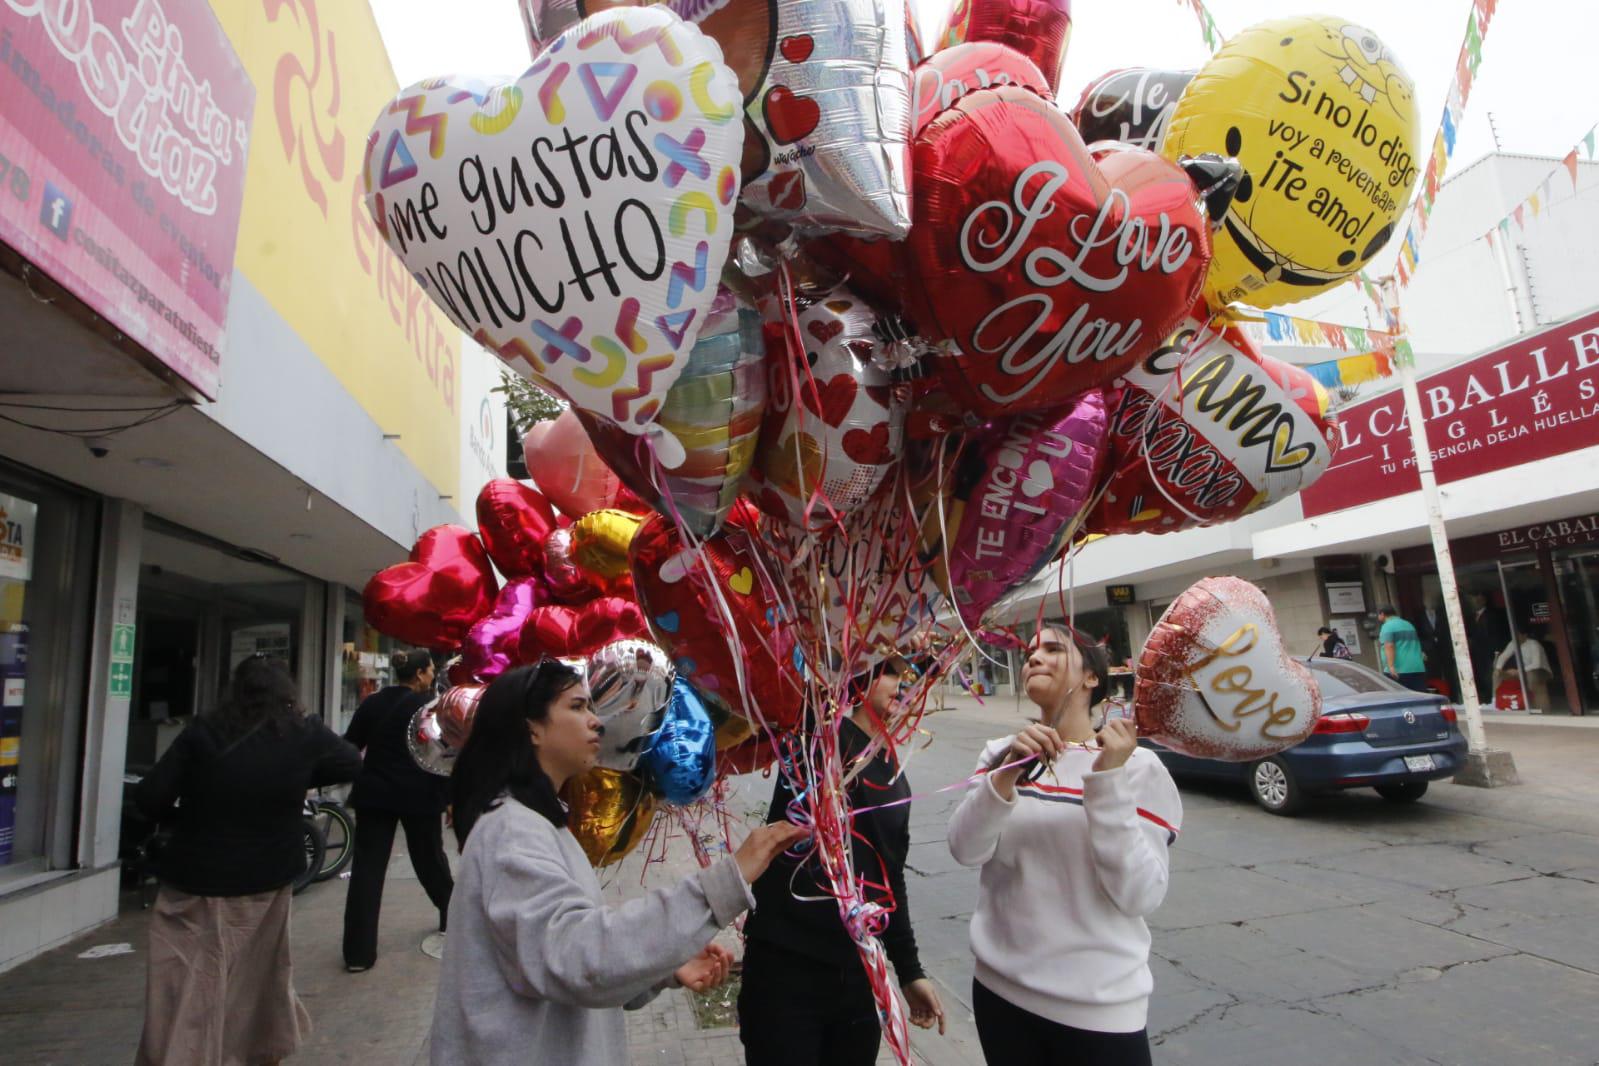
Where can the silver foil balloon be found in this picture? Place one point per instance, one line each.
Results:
(425, 738)
(630, 683)
(827, 103)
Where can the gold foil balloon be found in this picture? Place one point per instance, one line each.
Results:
(608, 812)
(600, 540)
(1323, 119)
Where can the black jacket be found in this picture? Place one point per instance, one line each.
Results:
(238, 829)
(390, 780)
(811, 927)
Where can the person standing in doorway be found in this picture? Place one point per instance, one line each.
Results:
(1399, 650)
(1437, 645)
(1487, 631)
(392, 790)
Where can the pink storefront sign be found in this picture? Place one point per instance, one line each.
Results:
(124, 132)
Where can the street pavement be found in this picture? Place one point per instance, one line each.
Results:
(1459, 930)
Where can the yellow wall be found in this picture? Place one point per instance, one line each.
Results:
(305, 241)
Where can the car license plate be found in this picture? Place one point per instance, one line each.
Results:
(1418, 763)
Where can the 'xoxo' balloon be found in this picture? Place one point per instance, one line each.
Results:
(573, 221)
(1215, 682)
(1206, 430)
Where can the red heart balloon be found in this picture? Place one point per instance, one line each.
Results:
(881, 270)
(574, 632)
(433, 600)
(1051, 269)
(1215, 682)
(514, 521)
(684, 611)
(1039, 29)
(1207, 430)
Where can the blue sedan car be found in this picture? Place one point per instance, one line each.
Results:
(1373, 733)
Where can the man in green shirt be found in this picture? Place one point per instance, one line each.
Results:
(1399, 650)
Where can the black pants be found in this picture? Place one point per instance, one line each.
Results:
(374, 840)
(1414, 682)
(795, 1011)
(1011, 1035)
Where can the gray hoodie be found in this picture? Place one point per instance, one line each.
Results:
(537, 969)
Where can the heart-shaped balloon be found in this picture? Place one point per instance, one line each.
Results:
(514, 521)
(687, 610)
(574, 221)
(680, 763)
(1215, 682)
(881, 270)
(826, 102)
(835, 420)
(1053, 270)
(565, 632)
(433, 600)
(1017, 497)
(1206, 430)
(491, 645)
(609, 812)
(1038, 29)
(714, 410)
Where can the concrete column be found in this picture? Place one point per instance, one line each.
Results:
(116, 600)
(333, 657)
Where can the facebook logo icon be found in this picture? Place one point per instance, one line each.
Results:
(56, 213)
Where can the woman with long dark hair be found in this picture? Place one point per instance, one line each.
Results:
(393, 791)
(1071, 828)
(220, 985)
(537, 968)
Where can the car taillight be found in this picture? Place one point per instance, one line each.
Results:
(1343, 722)
(1450, 714)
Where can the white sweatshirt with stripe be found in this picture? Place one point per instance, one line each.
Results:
(1070, 868)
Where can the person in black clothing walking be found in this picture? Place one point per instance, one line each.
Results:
(805, 997)
(393, 790)
(220, 985)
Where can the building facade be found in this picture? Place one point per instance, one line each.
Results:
(224, 403)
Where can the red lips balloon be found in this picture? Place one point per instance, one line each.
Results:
(1215, 682)
(685, 614)
(513, 521)
(1053, 270)
(433, 600)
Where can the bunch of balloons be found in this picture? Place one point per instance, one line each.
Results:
(815, 419)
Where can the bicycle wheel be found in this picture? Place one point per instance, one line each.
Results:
(315, 848)
(338, 838)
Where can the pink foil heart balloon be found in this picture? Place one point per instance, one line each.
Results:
(1031, 483)
(1215, 682)
(491, 645)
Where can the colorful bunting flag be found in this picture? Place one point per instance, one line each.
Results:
(1570, 163)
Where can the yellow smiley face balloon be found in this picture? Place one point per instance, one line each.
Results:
(1323, 119)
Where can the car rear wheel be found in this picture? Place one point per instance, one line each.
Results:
(1403, 792)
(1274, 788)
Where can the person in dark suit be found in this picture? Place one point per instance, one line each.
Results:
(1437, 645)
(1487, 631)
(391, 791)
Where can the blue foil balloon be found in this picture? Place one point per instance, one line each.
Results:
(680, 764)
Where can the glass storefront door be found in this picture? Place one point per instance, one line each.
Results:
(1530, 653)
(1577, 574)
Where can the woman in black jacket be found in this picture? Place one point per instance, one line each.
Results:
(805, 998)
(220, 984)
(392, 790)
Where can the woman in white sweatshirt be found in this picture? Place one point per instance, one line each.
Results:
(1073, 846)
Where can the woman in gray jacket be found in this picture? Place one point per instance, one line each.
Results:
(537, 969)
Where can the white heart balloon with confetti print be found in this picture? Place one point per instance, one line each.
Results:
(575, 220)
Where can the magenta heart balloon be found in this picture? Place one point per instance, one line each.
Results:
(491, 644)
(1032, 480)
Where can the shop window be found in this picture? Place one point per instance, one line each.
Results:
(365, 658)
(44, 610)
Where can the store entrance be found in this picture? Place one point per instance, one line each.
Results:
(1529, 655)
(1576, 575)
